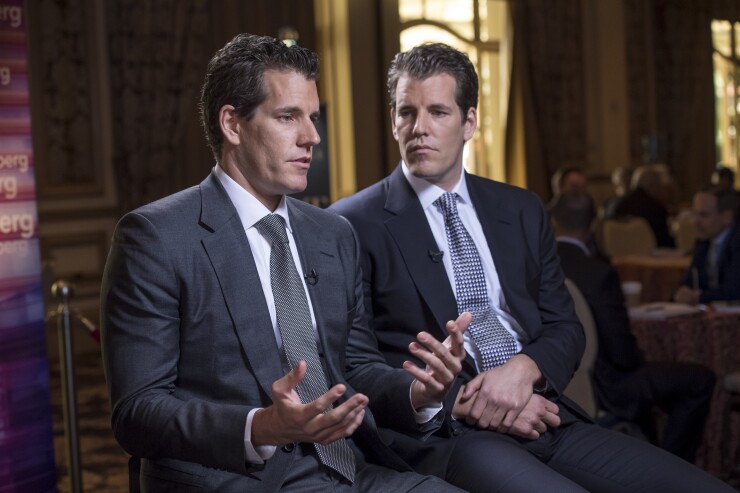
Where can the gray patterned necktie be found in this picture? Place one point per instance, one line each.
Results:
(495, 343)
(296, 330)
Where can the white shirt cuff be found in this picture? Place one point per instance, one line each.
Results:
(260, 453)
(425, 413)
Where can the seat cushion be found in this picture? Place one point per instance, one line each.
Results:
(732, 382)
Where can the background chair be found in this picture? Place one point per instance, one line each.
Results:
(627, 236)
(581, 387)
(684, 231)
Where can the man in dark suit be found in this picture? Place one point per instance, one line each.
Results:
(627, 386)
(714, 273)
(723, 177)
(568, 179)
(227, 369)
(621, 178)
(435, 239)
(649, 197)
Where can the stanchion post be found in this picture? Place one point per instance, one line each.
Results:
(62, 290)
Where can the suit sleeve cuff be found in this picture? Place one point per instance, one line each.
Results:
(542, 388)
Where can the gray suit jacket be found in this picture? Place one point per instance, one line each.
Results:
(189, 348)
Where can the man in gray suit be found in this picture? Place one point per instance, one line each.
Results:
(222, 377)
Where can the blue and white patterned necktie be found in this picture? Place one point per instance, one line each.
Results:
(495, 344)
(296, 330)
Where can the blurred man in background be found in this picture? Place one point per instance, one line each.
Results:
(628, 387)
(714, 273)
(649, 197)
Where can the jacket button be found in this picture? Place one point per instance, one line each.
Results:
(288, 447)
(456, 428)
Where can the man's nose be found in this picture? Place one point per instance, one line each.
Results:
(421, 124)
(309, 136)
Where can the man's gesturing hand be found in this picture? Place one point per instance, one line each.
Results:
(287, 420)
(443, 363)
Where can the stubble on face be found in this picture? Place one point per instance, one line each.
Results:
(429, 128)
(275, 148)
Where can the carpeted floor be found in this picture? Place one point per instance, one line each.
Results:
(103, 462)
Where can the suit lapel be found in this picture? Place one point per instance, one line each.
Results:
(497, 223)
(409, 228)
(240, 282)
(726, 251)
(492, 215)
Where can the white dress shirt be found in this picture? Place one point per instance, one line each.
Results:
(251, 211)
(427, 194)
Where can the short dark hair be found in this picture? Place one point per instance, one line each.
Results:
(573, 211)
(558, 178)
(424, 61)
(727, 199)
(235, 77)
(724, 173)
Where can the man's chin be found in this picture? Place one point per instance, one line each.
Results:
(421, 169)
(298, 187)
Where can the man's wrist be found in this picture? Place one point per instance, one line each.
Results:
(255, 454)
(419, 401)
(531, 369)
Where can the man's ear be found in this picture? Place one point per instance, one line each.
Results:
(228, 120)
(470, 123)
(393, 123)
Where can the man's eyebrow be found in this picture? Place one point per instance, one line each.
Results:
(434, 106)
(440, 106)
(288, 109)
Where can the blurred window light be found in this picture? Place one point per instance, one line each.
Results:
(726, 58)
(481, 29)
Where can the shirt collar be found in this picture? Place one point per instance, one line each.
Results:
(429, 192)
(574, 241)
(249, 208)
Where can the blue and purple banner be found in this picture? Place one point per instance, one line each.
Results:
(26, 442)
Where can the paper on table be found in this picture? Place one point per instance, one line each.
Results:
(661, 311)
(667, 252)
(726, 306)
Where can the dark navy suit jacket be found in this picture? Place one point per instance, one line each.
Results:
(728, 269)
(407, 289)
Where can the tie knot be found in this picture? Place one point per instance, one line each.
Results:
(448, 203)
(273, 227)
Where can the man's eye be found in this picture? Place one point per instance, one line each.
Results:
(285, 118)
